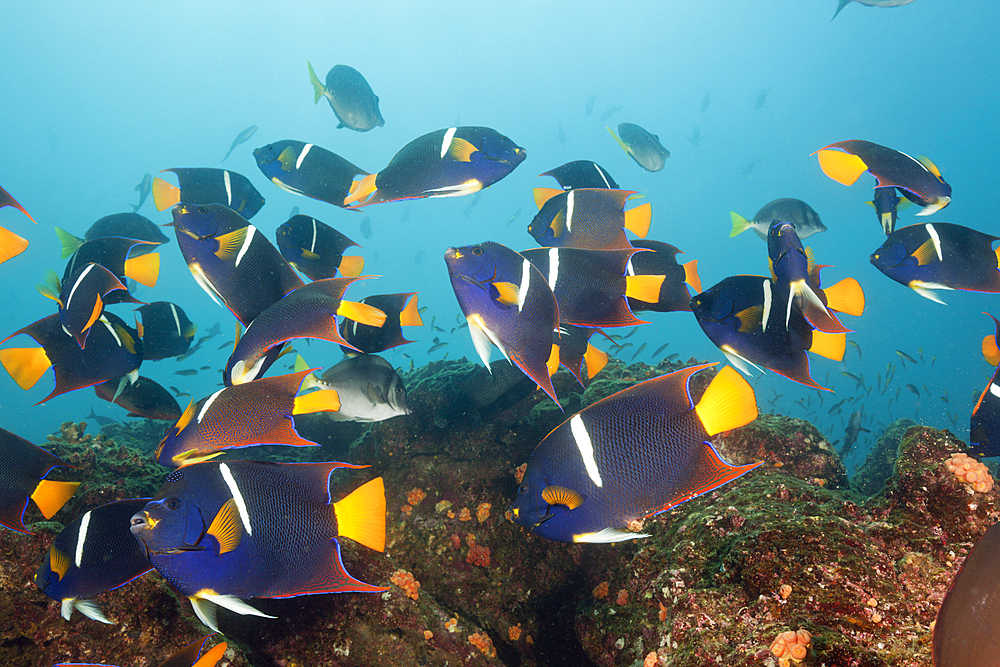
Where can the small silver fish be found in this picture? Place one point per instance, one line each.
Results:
(369, 388)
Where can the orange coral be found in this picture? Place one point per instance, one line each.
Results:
(415, 496)
(451, 624)
(464, 514)
(482, 641)
(791, 647)
(483, 512)
(622, 598)
(406, 509)
(428, 635)
(479, 555)
(514, 632)
(456, 541)
(784, 591)
(652, 660)
(663, 613)
(600, 591)
(519, 472)
(970, 472)
(407, 582)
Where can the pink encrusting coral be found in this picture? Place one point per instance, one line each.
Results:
(970, 472)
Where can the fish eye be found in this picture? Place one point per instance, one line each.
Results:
(202, 209)
(173, 504)
(523, 489)
(477, 251)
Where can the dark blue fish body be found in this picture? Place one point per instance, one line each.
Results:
(317, 249)
(119, 255)
(91, 555)
(308, 170)
(662, 260)
(165, 330)
(351, 98)
(791, 266)
(886, 204)
(128, 225)
(401, 310)
(143, 398)
(575, 348)
(205, 185)
(82, 299)
(23, 467)
(591, 218)
(984, 424)
(582, 174)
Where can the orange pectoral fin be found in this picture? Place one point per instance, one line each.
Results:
(841, 167)
(552, 365)
(461, 150)
(361, 515)
(11, 245)
(351, 266)
(637, 219)
(361, 313)
(50, 496)
(361, 190)
(691, 276)
(144, 269)
(165, 194)
(25, 364)
(542, 195)
(212, 657)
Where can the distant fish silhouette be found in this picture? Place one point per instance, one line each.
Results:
(240, 138)
(696, 136)
(588, 108)
(706, 101)
(762, 98)
(144, 187)
(609, 112)
(870, 3)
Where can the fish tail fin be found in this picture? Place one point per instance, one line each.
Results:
(325, 400)
(318, 88)
(637, 219)
(361, 313)
(846, 296)
(552, 364)
(351, 266)
(596, 360)
(50, 495)
(212, 656)
(691, 276)
(991, 353)
(70, 243)
(410, 316)
(842, 167)
(362, 190)
(644, 288)
(740, 224)
(620, 142)
(144, 269)
(51, 287)
(840, 5)
(25, 364)
(542, 195)
(11, 245)
(829, 345)
(165, 194)
(728, 403)
(361, 515)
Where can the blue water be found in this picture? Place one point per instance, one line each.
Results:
(94, 95)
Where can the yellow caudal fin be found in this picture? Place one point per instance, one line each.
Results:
(728, 403)
(846, 297)
(300, 364)
(596, 360)
(361, 190)
(50, 496)
(829, 345)
(227, 527)
(70, 243)
(361, 313)
(620, 142)
(840, 166)
(212, 656)
(644, 288)
(410, 316)
(25, 364)
(691, 276)
(165, 194)
(317, 85)
(461, 150)
(325, 400)
(542, 195)
(740, 224)
(361, 515)
(351, 266)
(144, 269)
(990, 351)
(11, 245)
(552, 364)
(560, 495)
(230, 244)
(51, 287)
(637, 219)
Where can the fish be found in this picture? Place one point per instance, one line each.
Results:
(582, 174)
(81, 300)
(242, 137)
(761, 100)
(24, 468)
(588, 108)
(575, 348)
(656, 355)
(639, 351)
(165, 330)
(436, 346)
(353, 102)
(735, 315)
(939, 256)
(509, 305)
(642, 146)
(662, 260)
(260, 412)
(637, 453)
(234, 263)
(472, 203)
(609, 112)
(887, 205)
(113, 351)
(213, 331)
(143, 398)
(591, 286)
(858, 381)
(317, 249)
(369, 388)
(214, 528)
(11, 245)
(126, 225)
(366, 227)
(514, 216)
(592, 218)
(854, 428)
(187, 371)
(93, 554)
(984, 423)
(706, 101)
(991, 344)
(749, 166)
(100, 420)
(795, 211)
(918, 179)
(447, 163)
(873, 3)
(308, 170)
(696, 136)
(143, 187)
(189, 656)
(307, 312)
(400, 311)
(121, 256)
(791, 269)
(203, 186)
(178, 393)
(912, 388)
(857, 347)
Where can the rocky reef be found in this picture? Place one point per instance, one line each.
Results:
(791, 562)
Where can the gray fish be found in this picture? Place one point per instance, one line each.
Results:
(214, 331)
(642, 146)
(696, 136)
(514, 216)
(144, 187)
(369, 388)
(749, 167)
(350, 97)
(609, 112)
(101, 421)
(870, 3)
(854, 428)
(761, 99)
(795, 211)
(240, 138)
(705, 101)
(295, 212)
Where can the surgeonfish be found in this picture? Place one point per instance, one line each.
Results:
(591, 218)
(308, 170)
(23, 467)
(791, 267)
(204, 185)
(447, 163)
(350, 97)
(508, 304)
(642, 451)
(93, 554)
(317, 249)
(242, 137)
(918, 179)
(582, 174)
(246, 415)
(795, 211)
(662, 260)
(401, 310)
(11, 245)
(189, 656)
(143, 398)
(369, 388)
(939, 256)
(642, 146)
(222, 532)
(165, 330)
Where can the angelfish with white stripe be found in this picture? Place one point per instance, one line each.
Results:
(600, 474)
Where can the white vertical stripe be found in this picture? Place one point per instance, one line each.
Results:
(227, 475)
(767, 305)
(251, 230)
(446, 143)
(937, 240)
(603, 178)
(302, 155)
(312, 244)
(177, 319)
(569, 209)
(107, 325)
(229, 188)
(81, 538)
(553, 268)
(77, 284)
(208, 404)
(586, 448)
(995, 390)
(522, 288)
